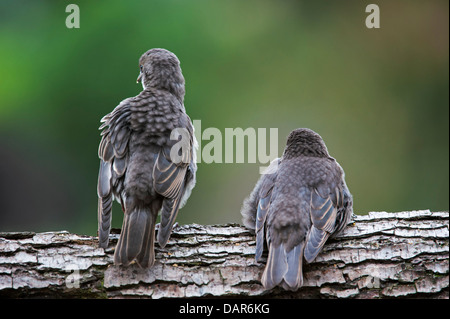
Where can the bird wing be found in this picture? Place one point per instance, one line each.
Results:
(328, 211)
(170, 178)
(250, 205)
(264, 201)
(113, 163)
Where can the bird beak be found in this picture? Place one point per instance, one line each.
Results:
(139, 79)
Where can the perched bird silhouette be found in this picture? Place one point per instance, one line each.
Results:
(299, 202)
(147, 160)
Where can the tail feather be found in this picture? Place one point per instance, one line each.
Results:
(136, 240)
(283, 268)
(146, 256)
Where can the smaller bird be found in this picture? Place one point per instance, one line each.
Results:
(300, 201)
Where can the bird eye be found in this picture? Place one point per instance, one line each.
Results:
(140, 67)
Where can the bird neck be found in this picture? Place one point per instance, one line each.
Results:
(176, 88)
(304, 150)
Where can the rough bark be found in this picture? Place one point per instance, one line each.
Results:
(380, 255)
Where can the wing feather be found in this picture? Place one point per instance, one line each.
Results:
(324, 212)
(113, 156)
(264, 201)
(170, 180)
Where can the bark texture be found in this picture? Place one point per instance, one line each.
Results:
(380, 255)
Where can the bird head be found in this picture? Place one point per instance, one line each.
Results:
(159, 68)
(305, 142)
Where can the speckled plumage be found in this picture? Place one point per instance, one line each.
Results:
(296, 208)
(136, 168)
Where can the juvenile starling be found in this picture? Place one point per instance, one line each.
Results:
(300, 202)
(136, 164)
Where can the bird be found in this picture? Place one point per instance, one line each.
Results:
(297, 204)
(138, 165)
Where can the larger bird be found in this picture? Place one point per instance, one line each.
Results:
(295, 207)
(138, 165)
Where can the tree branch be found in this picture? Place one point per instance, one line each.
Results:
(380, 255)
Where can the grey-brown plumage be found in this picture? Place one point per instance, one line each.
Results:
(136, 165)
(295, 207)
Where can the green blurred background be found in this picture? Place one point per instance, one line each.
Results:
(378, 97)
